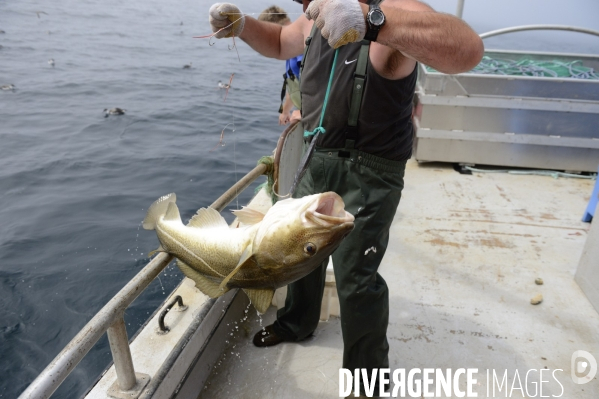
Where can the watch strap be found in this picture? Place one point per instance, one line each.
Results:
(371, 31)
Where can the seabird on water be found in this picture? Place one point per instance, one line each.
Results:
(113, 111)
(8, 87)
(187, 66)
(51, 61)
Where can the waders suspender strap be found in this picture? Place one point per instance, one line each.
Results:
(351, 136)
(308, 41)
(283, 91)
(356, 96)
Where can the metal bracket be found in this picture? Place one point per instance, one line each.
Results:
(162, 328)
(141, 380)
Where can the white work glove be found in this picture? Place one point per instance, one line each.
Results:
(340, 21)
(225, 14)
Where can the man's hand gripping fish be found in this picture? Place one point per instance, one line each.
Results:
(266, 252)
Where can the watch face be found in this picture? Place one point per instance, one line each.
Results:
(377, 17)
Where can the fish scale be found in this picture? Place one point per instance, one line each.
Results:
(218, 247)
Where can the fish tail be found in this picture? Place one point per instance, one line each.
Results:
(161, 207)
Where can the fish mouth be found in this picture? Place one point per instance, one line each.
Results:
(329, 210)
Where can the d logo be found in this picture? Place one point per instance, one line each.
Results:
(583, 367)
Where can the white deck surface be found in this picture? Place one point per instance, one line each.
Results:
(461, 267)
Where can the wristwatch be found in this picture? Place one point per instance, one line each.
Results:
(375, 19)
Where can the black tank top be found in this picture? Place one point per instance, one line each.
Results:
(385, 119)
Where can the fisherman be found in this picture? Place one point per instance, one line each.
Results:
(290, 93)
(361, 151)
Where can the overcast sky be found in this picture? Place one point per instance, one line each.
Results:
(487, 15)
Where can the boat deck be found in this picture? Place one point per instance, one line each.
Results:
(461, 265)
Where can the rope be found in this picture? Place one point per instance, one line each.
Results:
(320, 129)
(268, 185)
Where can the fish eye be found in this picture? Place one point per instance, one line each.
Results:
(310, 248)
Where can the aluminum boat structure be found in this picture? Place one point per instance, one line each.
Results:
(462, 266)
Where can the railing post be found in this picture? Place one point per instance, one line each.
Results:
(127, 380)
(460, 9)
(121, 354)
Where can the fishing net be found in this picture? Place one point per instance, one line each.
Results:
(527, 67)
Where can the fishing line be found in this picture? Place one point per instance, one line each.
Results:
(131, 123)
(209, 37)
(235, 160)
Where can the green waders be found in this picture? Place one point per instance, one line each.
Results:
(371, 189)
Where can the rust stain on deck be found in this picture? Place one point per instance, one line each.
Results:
(494, 242)
(503, 194)
(440, 241)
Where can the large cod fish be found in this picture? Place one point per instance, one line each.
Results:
(266, 252)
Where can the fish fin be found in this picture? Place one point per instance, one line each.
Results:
(261, 299)
(159, 249)
(157, 209)
(207, 217)
(172, 213)
(203, 283)
(248, 215)
(243, 261)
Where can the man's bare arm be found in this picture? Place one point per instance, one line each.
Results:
(273, 40)
(439, 40)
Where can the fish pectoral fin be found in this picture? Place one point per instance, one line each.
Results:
(245, 260)
(203, 283)
(159, 249)
(248, 215)
(261, 299)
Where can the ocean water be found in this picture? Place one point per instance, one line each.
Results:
(74, 185)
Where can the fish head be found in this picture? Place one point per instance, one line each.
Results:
(297, 235)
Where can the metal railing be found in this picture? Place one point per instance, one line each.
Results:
(460, 11)
(538, 27)
(110, 319)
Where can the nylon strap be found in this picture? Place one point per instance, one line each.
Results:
(308, 41)
(351, 135)
(356, 97)
(359, 80)
(283, 91)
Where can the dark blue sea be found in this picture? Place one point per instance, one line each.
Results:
(75, 185)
